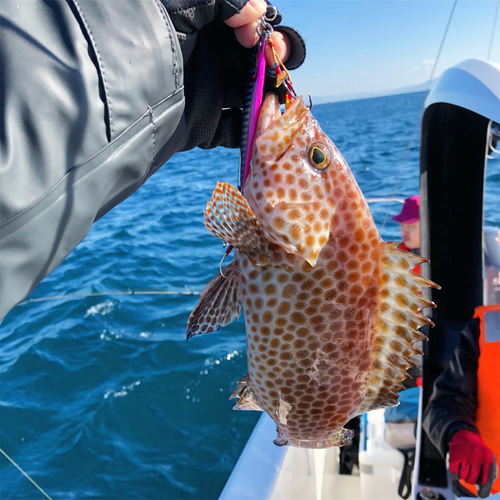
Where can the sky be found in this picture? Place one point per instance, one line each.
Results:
(375, 46)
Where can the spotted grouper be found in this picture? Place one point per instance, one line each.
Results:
(331, 311)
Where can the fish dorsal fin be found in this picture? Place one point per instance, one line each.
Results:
(397, 329)
(229, 217)
(246, 398)
(219, 303)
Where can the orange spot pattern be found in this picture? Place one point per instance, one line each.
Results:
(312, 313)
(313, 348)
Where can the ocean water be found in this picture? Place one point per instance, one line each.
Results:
(102, 397)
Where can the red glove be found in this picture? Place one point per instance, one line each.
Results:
(468, 454)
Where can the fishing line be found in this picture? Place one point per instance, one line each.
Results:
(493, 31)
(24, 473)
(421, 107)
(384, 198)
(112, 292)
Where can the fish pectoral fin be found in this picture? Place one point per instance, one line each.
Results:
(229, 217)
(339, 438)
(219, 303)
(397, 328)
(245, 395)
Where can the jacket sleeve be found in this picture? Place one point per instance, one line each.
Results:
(93, 100)
(453, 403)
(91, 104)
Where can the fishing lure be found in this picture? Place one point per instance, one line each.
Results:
(254, 99)
(255, 92)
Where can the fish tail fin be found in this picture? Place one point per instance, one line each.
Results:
(400, 304)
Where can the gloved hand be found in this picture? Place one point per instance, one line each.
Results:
(470, 458)
(216, 68)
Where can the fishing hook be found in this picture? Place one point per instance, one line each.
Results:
(226, 253)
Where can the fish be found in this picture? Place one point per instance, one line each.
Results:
(331, 310)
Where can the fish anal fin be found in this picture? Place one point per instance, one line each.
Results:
(242, 383)
(247, 402)
(229, 217)
(219, 303)
(398, 321)
(246, 397)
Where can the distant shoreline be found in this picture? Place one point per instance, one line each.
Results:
(360, 96)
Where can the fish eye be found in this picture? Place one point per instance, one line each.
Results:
(319, 157)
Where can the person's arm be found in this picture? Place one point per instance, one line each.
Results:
(92, 102)
(453, 403)
(449, 419)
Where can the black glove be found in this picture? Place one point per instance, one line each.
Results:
(216, 68)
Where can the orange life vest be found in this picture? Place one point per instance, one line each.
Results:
(488, 382)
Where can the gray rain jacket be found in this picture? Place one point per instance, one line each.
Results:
(92, 102)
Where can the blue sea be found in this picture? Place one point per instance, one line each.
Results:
(101, 397)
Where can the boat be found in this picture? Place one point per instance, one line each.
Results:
(459, 130)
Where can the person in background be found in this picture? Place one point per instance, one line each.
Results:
(409, 225)
(96, 96)
(462, 417)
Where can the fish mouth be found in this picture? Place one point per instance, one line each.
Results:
(269, 112)
(273, 124)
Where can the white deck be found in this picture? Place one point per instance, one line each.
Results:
(267, 472)
(312, 474)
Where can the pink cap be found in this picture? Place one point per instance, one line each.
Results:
(410, 212)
